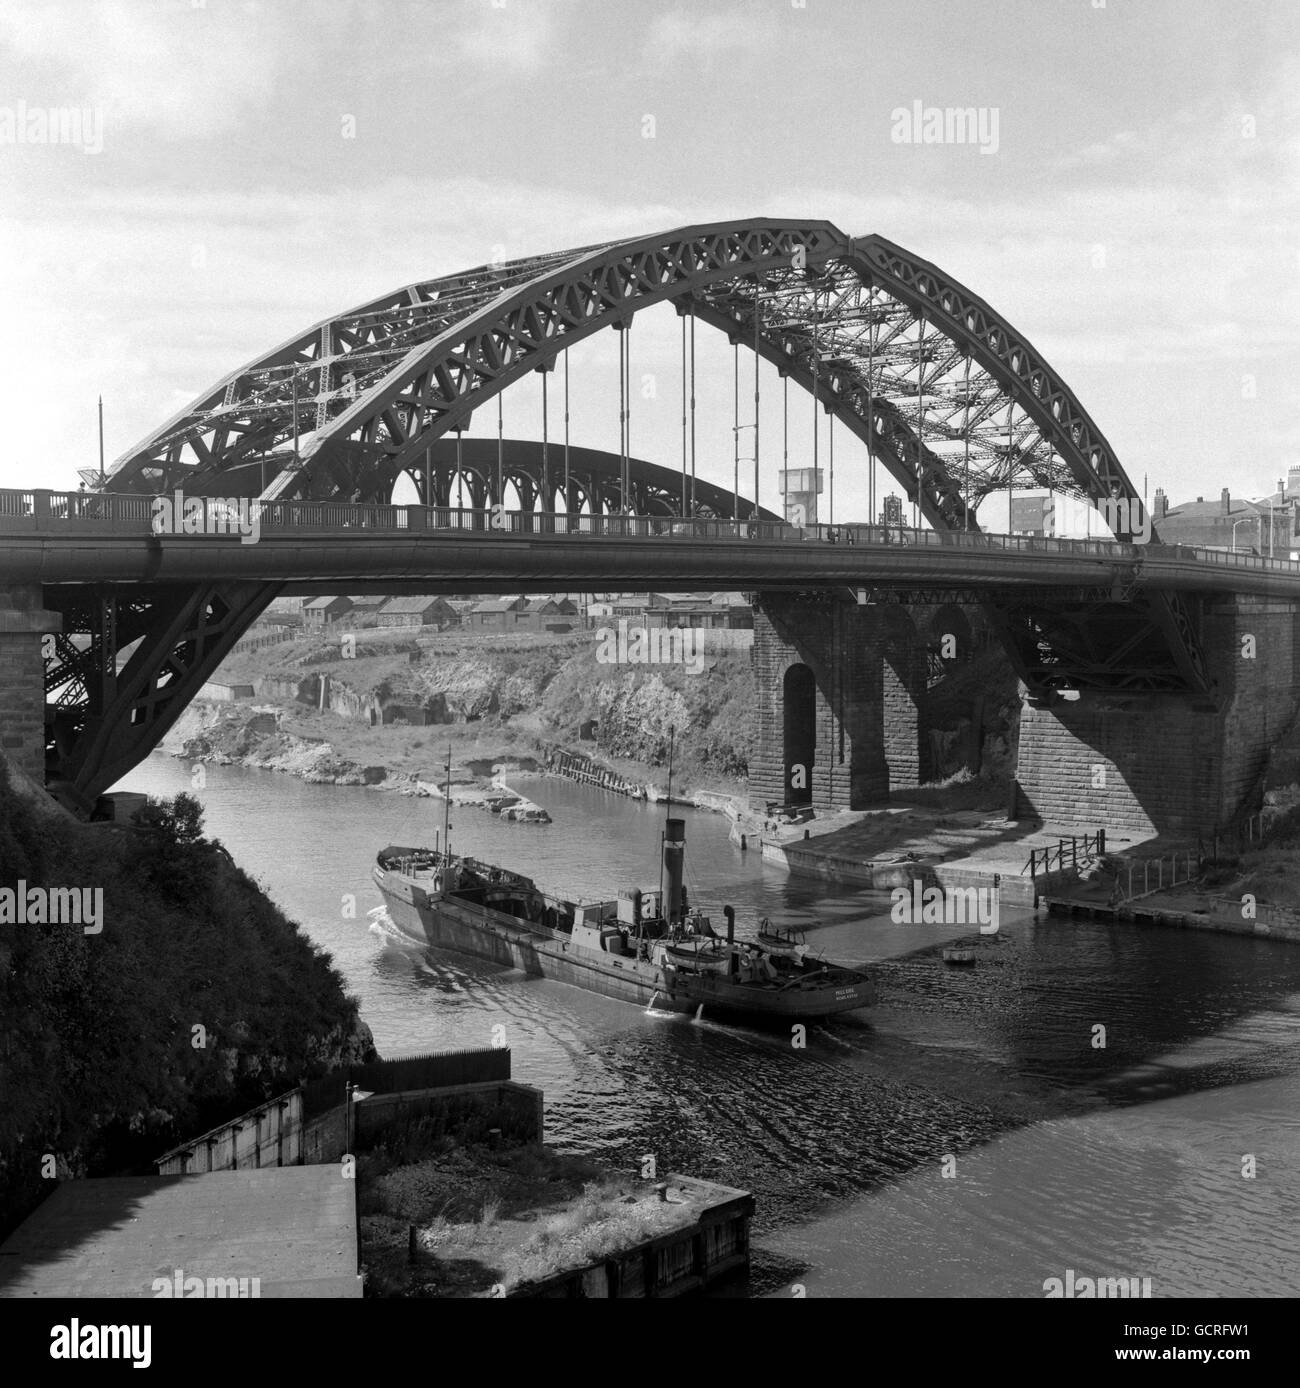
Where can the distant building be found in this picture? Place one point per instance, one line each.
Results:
(496, 613)
(737, 610)
(318, 613)
(636, 604)
(710, 611)
(891, 512)
(1286, 501)
(557, 615)
(1228, 523)
(541, 613)
(418, 612)
(549, 607)
(1028, 515)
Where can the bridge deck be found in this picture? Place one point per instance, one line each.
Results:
(90, 537)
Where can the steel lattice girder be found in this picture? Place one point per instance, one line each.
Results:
(1105, 643)
(383, 380)
(111, 720)
(593, 479)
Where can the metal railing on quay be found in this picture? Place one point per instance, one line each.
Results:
(1148, 876)
(1065, 853)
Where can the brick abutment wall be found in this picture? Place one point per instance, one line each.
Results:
(868, 669)
(1150, 764)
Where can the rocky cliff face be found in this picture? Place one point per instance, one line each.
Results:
(555, 693)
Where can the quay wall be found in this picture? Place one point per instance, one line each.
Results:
(269, 1135)
(674, 1264)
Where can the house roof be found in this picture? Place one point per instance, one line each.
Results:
(317, 604)
(412, 604)
(1238, 507)
(497, 605)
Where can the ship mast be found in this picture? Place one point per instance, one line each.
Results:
(667, 813)
(446, 809)
(674, 847)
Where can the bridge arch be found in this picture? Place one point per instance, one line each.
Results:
(799, 732)
(914, 364)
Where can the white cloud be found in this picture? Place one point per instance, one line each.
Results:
(179, 70)
(704, 36)
(517, 36)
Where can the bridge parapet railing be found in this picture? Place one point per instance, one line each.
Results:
(16, 505)
(136, 513)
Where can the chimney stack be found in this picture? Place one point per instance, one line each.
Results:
(1162, 504)
(1227, 502)
(674, 851)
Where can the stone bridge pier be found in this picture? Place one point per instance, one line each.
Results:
(842, 714)
(840, 689)
(1146, 764)
(24, 624)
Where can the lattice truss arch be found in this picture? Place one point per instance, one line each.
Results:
(954, 387)
(595, 484)
(127, 663)
(948, 397)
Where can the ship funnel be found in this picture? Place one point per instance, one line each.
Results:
(674, 853)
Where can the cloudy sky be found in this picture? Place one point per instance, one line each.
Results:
(264, 165)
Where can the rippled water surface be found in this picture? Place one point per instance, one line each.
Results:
(1122, 1159)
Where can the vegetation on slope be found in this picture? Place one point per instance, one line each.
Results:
(100, 1065)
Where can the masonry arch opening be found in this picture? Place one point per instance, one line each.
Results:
(799, 700)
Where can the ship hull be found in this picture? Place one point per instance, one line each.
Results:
(471, 929)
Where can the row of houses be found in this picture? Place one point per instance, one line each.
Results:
(708, 611)
(515, 614)
(423, 611)
(1268, 524)
(556, 613)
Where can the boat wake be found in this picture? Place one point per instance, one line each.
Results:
(381, 924)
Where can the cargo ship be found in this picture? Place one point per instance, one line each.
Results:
(645, 946)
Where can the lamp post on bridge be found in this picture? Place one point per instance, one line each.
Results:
(1245, 520)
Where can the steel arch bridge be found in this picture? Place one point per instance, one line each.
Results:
(946, 395)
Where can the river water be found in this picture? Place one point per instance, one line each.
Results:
(969, 1136)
